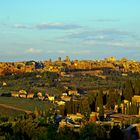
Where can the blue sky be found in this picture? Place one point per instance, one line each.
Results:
(82, 29)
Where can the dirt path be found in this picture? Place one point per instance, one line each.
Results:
(15, 108)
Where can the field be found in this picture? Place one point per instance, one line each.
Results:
(11, 106)
(5, 111)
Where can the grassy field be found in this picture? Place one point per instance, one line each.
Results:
(16, 106)
(4, 111)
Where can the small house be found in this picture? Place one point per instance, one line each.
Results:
(15, 94)
(30, 95)
(65, 98)
(60, 103)
(73, 92)
(22, 95)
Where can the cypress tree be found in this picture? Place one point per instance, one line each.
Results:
(128, 90)
(137, 87)
(99, 103)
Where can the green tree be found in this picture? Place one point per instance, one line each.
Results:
(85, 108)
(52, 132)
(67, 134)
(137, 87)
(128, 90)
(132, 109)
(99, 103)
(99, 99)
(113, 99)
(92, 99)
(25, 129)
(92, 131)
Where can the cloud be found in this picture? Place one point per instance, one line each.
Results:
(108, 34)
(106, 20)
(103, 37)
(57, 26)
(33, 50)
(118, 43)
(22, 26)
(61, 51)
(48, 26)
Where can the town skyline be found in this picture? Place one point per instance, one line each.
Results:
(82, 30)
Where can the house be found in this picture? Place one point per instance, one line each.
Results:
(40, 96)
(30, 95)
(126, 101)
(4, 84)
(124, 74)
(65, 98)
(136, 99)
(72, 121)
(22, 94)
(51, 98)
(93, 117)
(74, 117)
(59, 103)
(29, 68)
(15, 94)
(64, 94)
(73, 92)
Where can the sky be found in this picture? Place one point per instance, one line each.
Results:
(81, 29)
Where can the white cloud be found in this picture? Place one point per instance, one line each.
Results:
(22, 26)
(33, 50)
(118, 43)
(48, 25)
(106, 20)
(57, 26)
(61, 51)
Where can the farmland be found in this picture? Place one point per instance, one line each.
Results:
(14, 106)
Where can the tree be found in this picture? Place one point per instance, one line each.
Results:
(113, 99)
(84, 108)
(101, 113)
(116, 133)
(99, 99)
(88, 132)
(72, 107)
(128, 90)
(24, 130)
(91, 99)
(67, 134)
(99, 103)
(137, 87)
(132, 109)
(92, 131)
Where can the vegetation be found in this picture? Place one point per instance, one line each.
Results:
(97, 93)
(16, 106)
(29, 128)
(99, 105)
(128, 90)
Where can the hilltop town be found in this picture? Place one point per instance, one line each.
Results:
(61, 66)
(70, 94)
